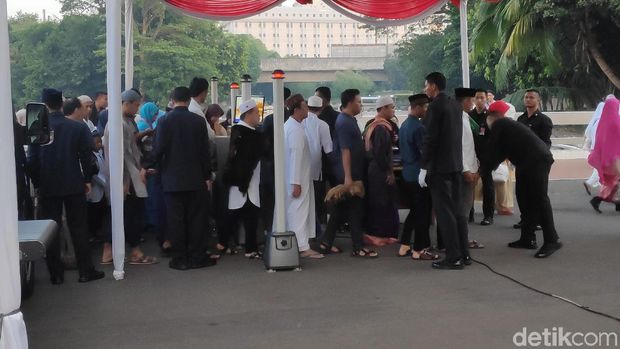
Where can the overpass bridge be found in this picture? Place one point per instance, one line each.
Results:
(321, 69)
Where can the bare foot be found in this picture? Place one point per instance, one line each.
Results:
(312, 254)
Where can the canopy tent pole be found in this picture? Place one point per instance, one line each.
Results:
(128, 44)
(278, 149)
(115, 157)
(464, 43)
(12, 326)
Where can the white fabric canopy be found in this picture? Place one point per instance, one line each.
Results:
(13, 330)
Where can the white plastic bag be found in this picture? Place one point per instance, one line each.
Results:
(501, 173)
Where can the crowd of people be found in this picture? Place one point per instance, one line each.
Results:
(338, 176)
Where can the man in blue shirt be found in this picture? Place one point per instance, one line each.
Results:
(411, 136)
(348, 166)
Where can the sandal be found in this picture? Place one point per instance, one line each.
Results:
(106, 262)
(143, 260)
(473, 244)
(364, 253)
(331, 250)
(425, 255)
(407, 254)
(254, 255)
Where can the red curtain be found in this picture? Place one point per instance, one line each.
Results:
(223, 8)
(387, 9)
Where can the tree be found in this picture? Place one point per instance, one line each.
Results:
(564, 38)
(350, 79)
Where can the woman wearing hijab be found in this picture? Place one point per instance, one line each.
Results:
(147, 119)
(605, 156)
(213, 114)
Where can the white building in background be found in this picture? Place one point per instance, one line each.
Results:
(313, 30)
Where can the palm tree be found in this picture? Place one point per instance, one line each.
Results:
(521, 29)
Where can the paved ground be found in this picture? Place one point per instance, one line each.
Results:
(341, 302)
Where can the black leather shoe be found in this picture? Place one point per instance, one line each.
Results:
(203, 262)
(92, 275)
(548, 249)
(517, 225)
(57, 279)
(467, 260)
(596, 203)
(525, 244)
(618, 207)
(445, 265)
(487, 221)
(179, 263)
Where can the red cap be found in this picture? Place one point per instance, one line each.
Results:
(500, 107)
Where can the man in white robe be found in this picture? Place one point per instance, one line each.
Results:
(300, 210)
(320, 141)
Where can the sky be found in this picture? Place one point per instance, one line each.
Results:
(51, 7)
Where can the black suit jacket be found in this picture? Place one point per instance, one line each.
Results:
(443, 142)
(182, 151)
(62, 167)
(540, 124)
(514, 141)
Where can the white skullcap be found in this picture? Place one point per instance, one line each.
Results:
(85, 99)
(247, 106)
(383, 101)
(315, 102)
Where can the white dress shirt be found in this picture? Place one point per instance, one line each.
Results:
(317, 133)
(198, 109)
(470, 161)
(236, 199)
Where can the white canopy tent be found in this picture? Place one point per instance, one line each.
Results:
(13, 330)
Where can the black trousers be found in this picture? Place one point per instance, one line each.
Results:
(419, 217)
(186, 223)
(267, 204)
(350, 210)
(99, 216)
(446, 192)
(75, 207)
(134, 220)
(249, 215)
(319, 204)
(532, 197)
(488, 194)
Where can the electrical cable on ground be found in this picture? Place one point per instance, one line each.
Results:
(563, 299)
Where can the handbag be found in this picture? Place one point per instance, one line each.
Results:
(501, 173)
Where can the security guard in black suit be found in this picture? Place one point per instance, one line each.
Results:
(442, 158)
(532, 158)
(62, 172)
(482, 134)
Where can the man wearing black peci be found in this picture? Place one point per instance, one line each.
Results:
(532, 158)
(442, 159)
(183, 158)
(62, 172)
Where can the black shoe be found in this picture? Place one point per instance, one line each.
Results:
(203, 262)
(92, 275)
(445, 265)
(467, 260)
(487, 221)
(517, 225)
(618, 207)
(525, 244)
(548, 249)
(596, 203)
(179, 263)
(57, 279)
(538, 228)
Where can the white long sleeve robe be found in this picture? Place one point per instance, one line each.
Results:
(300, 211)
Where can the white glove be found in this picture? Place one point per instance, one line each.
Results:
(422, 178)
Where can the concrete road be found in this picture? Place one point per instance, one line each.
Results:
(342, 302)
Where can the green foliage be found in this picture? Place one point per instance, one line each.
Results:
(350, 79)
(169, 50)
